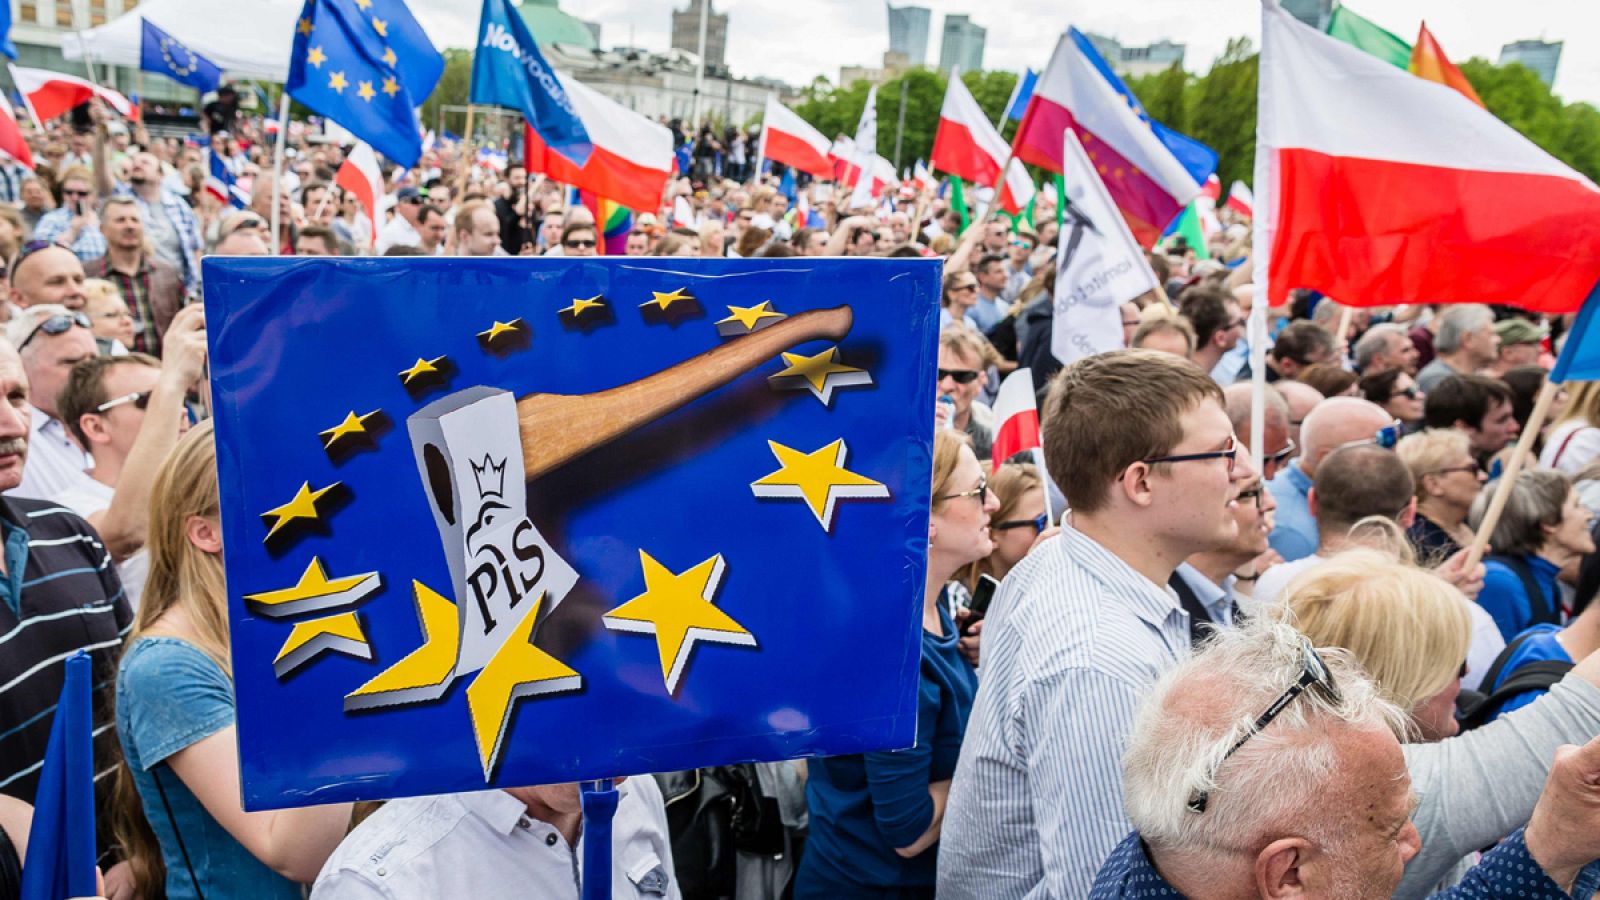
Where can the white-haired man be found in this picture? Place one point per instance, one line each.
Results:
(1466, 342)
(1384, 348)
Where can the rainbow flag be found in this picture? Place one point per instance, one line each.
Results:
(614, 219)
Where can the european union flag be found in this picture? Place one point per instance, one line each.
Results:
(528, 521)
(61, 859)
(367, 65)
(164, 54)
(508, 70)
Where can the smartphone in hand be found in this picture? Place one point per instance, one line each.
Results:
(982, 596)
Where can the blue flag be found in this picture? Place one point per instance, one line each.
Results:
(786, 185)
(367, 65)
(509, 71)
(1021, 96)
(61, 855)
(220, 183)
(164, 54)
(620, 523)
(1580, 355)
(1196, 158)
(6, 46)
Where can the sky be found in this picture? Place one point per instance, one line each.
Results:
(796, 41)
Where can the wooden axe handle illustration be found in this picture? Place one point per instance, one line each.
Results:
(556, 428)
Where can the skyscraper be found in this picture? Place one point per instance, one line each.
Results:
(686, 33)
(962, 45)
(1312, 12)
(1540, 56)
(908, 32)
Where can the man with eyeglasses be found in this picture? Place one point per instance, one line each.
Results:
(1018, 266)
(1314, 798)
(1141, 445)
(401, 229)
(74, 224)
(1207, 582)
(1333, 423)
(51, 339)
(152, 287)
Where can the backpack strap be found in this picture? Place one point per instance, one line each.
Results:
(1531, 677)
(1539, 608)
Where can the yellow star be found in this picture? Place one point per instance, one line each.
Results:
(390, 86)
(305, 27)
(363, 4)
(337, 82)
(1102, 168)
(352, 426)
(380, 26)
(598, 301)
(662, 301)
(314, 592)
(366, 91)
(308, 640)
(745, 319)
(819, 478)
(303, 506)
(499, 328)
(425, 673)
(518, 669)
(389, 58)
(316, 57)
(819, 374)
(677, 609)
(420, 368)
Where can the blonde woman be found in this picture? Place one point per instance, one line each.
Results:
(178, 792)
(1018, 519)
(109, 317)
(1447, 479)
(1574, 440)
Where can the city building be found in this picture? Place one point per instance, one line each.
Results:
(908, 32)
(549, 25)
(661, 85)
(686, 34)
(1312, 12)
(1135, 61)
(1540, 56)
(962, 45)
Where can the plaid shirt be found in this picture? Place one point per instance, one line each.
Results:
(11, 175)
(183, 221)
(53, 224)
(154, 293)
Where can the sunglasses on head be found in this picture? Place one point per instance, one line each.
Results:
(960, 376)
(56, 324)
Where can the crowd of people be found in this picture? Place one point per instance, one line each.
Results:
(1196, 677)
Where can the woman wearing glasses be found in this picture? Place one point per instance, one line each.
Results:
(1447, 479)
(876, 817)
(1018, 519)
(1398, 394)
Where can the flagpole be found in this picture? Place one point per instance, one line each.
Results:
(466, 156)
(900, 125)
(761, 145)
(1044, 474)
(1508, 478)
(277, 171)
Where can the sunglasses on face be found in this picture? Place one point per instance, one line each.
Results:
(981, 491)
(140, 400)
(1409, 393)
(962, 288)
(1282, 456)
(412, 201)
(57, 324)
(960, 376)
(69, 192)
(1037, 524)
(579, 243)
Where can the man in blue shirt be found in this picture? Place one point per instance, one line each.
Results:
(1333, 423)
(1221, 810)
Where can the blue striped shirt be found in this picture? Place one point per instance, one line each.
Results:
(1074, 642)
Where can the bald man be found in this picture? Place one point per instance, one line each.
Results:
(1302, 398)
(1332, 424)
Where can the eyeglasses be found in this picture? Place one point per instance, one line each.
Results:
(1474, 468)
(1229, 453)
(56, 324)
(1281, 456)
(1253, 495)
(1037, 524)
(579, 243)
(960, 376)
(140, 400)
(1313, 673)
(412, 201)
(69, 192)
(1410, 393)
(981, 491)
(963, 287)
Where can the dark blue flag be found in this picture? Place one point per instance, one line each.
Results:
(221, 184)
(1580, 355)
(509, 71)
(366, 65)
(539, 520)
(61, 857)
(164, 54)
(6, 46)
(1021, 95)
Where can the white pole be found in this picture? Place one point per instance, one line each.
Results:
(1044, 475)
(761, 144)
(277, 171)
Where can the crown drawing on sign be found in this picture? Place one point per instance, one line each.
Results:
(491, 477)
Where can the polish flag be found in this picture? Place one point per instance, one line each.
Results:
(1016, 416)
(1379, 187)
(361, 176)
(789, 139)
(968, 147)
(1240, 200)
(632, 157)
(1212, 189)
(921, 178)
(11, 141)
(53, 93)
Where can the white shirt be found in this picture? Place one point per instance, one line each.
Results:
(397, 233)
(92, 497)
(55, 461)
(485, 846)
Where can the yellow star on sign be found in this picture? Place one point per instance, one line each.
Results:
(426, 672)
(500, 328)
(353, 426)
(390, 86)
(314, 592)
(363, 4)
(663, 301)
(303, 506)
(677, 609)
(390, 59)
(331, 634)
(518, 669)
(819, 374)
(316, 57)
(380, 26)
(745, 319)
(366, 91)
(305, 26)
(422, 367)
(337, 82)
(819, 478)
(598, 301)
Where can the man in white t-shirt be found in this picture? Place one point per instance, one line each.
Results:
(129, 411)
(401, 231)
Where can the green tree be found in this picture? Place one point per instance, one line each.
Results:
(1165, 96)
(454, 85)
(1222, 111)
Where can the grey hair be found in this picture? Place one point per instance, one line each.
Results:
(1535, 500)
(1376, 341)
(1183, 731)
(1458, 321)
(1238, 399)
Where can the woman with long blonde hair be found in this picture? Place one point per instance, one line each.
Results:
(179, 803)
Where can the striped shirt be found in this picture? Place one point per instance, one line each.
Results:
(1073, 643)
(60, 594)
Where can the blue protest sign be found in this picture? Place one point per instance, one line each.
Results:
(528, 521)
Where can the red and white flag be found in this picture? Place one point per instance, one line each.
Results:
(51, 94)
(1240, 200)
(968, 147)
(1379, 187)
(632, 157)
(1016, 417)
(1212, 189)
(789, 139)
(12, 142)
(921, 178)
(361, 176)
